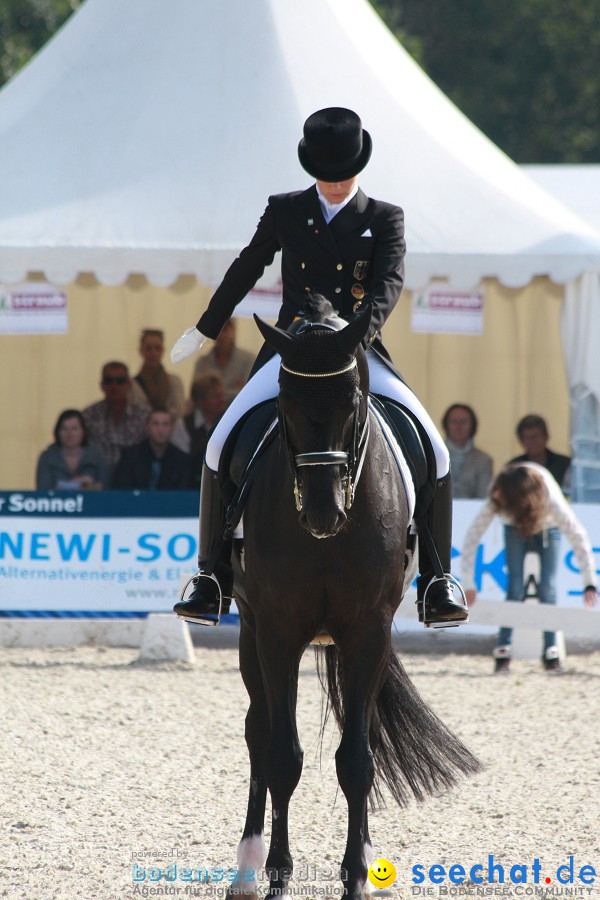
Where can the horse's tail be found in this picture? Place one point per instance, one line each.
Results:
(414, 752)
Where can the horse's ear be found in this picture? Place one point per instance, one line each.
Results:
(350, 337)
(275, 337)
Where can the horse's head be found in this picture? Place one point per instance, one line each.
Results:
(323, 383)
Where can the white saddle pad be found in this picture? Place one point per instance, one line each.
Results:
(400, 460)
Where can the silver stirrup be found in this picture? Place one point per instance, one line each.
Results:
(195, 620)
(445, 577)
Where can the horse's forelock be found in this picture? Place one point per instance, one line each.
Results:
(318, 308)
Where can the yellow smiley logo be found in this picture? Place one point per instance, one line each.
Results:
(382, 873)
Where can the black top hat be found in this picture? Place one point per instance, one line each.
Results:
(335, 146)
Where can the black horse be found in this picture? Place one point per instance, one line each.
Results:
(326, 526)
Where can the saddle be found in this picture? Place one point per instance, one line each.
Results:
(254, 432)
(415, 445)
(246, 442)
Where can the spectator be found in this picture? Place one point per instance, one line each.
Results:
(70, 463)
(154, 464)
(153, 385)
(191, 433)
(532, 432)
(209, 402)
(232, 363)
(116, 421)
(529, 500)
(471, 468)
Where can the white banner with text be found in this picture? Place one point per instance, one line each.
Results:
(126, 552)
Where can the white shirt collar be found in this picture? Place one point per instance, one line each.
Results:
(331, 209)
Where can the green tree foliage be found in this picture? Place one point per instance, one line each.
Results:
(526, 72)
(25, 26)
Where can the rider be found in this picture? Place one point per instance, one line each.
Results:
(338, 242)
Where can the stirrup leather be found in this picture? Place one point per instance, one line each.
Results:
(199, 620)
(434, 580)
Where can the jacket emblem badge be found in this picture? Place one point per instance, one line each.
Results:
(361, 269)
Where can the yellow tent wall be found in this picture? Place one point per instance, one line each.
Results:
(515, 367)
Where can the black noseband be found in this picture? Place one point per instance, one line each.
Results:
(322, 458)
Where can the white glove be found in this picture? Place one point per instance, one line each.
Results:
(190, 342)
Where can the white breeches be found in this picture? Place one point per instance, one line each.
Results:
(264, 386)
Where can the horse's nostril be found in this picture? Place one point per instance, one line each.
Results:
(304, 522)
(342, 519)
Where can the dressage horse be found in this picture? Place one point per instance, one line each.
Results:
(326, 526)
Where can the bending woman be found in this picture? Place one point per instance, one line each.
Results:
(531, 504)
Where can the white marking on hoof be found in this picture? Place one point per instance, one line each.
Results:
(252, 852)
(251, 857)
(369, 858)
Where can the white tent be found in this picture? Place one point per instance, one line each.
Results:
(578, 186)
(575, 185)
(144, 139)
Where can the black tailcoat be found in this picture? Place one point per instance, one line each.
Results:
(358, 258)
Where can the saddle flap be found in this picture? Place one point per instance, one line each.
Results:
(241, 445)
(413, 443)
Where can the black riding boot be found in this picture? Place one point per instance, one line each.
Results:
(203, 604)
(436, 601)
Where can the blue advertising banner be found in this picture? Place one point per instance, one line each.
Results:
(116, 551)
(123, 553)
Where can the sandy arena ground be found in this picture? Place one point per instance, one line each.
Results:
(108, 764)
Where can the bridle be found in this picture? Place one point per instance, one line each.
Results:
(352, 458)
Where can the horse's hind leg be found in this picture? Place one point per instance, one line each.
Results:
(364, 666)
(252, 852)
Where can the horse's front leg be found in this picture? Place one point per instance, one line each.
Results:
(283, 765)
(364, 667)
(374, 740)
(252, 851)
